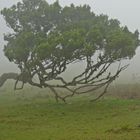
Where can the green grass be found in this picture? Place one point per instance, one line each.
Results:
(33, 117)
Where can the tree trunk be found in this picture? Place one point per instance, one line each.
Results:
(6, 76)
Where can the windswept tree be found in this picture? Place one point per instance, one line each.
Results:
(48, 38)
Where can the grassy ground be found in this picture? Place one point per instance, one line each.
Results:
(24, 116)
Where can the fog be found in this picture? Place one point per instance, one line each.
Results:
(126, 11)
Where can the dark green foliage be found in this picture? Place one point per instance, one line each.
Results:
(39, 27)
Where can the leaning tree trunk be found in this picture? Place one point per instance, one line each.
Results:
(6, 76)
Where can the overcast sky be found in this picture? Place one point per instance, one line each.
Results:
(127, 11)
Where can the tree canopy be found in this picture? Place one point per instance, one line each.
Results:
(47, 38)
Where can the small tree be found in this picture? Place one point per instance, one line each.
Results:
(47, 38)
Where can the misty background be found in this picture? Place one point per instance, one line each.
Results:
(125, 11)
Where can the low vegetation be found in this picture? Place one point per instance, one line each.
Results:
(31, 114)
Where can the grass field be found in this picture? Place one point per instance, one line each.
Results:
(24, 116)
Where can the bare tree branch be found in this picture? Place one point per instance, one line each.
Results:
(6, 76)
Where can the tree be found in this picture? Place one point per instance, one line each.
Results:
(47, 38)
